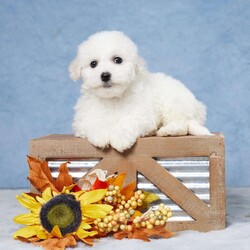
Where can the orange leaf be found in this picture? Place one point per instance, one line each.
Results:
(57, 244)
(88, 241)
(122, 234)
(117, 181)
(43, 165)
(64, 178)
(40, 176)
(128, 191)
(144, 233)
(28, 240)
(158, 232)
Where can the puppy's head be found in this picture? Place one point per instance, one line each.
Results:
(108, 63)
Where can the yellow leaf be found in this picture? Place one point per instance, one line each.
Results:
(92, 196)
(27, 219)
(96, 210)
(27, 232)
(150, 197)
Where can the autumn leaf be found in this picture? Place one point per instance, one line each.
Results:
(144, 233)
(28, 240)
(118, 180)
(35, 163)
(39, 175)
(89, 241)
(64, 178)
(128, 191)
(57, 244)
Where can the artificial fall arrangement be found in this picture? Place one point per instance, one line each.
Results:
(64, 212)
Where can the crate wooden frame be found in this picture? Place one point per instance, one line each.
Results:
(140, 158)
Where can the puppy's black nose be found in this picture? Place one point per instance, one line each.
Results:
(105, 76)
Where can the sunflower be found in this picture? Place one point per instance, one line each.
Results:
(59, 215)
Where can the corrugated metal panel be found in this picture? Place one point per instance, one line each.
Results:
(192, 172)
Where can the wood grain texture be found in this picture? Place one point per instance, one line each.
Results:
(141, 159)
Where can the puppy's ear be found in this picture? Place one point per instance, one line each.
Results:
(140, 66)
(75, 69)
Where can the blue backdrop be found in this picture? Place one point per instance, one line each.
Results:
(205, 44)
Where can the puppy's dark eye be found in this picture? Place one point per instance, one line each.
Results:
(93, 64)
(117, 60)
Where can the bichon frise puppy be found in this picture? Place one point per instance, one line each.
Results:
(121, 101)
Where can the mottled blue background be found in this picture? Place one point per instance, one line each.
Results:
(205, 44)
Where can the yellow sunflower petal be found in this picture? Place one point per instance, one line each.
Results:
(84, 225)
(28, 203)
(56, 232)
(96, 210)
(27, 196)
(55, 193)
(78, 194)
(65, 190)
(27, 232)
(27, 219)
(81, 233)
(92, 196)
(42, 235)
(46, 195)
(40, 200)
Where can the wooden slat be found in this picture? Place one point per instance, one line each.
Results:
(72, 147)
(173, 188)
(217, 189)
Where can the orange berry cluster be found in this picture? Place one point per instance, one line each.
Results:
(122, 216)
(115, 198)
(114, 221)
(158, 217)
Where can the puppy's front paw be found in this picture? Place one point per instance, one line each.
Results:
(122, 142)
(173, 129)
(98, 140)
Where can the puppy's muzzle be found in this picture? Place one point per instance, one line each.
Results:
(105, 76)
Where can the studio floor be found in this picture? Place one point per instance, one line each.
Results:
(235, 236)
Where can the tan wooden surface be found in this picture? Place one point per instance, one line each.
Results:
(140, 158)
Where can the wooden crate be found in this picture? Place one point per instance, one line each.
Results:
(142, 158)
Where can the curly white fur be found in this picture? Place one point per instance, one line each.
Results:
(136, 103)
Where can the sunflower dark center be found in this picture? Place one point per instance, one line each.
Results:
(62, 210)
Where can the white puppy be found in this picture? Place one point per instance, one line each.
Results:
(122, 101)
